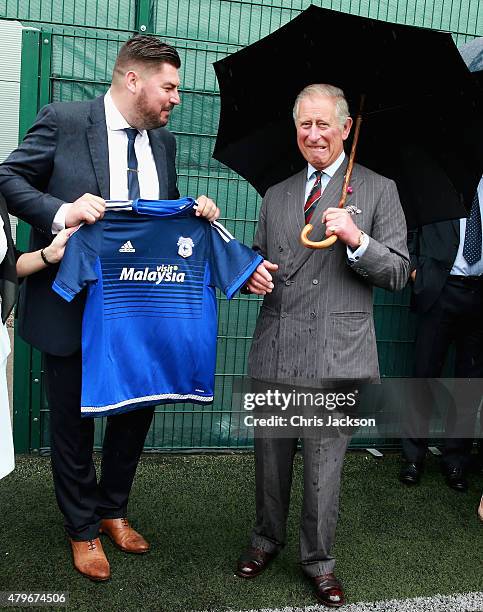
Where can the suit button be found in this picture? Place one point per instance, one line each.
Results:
(313, 315)
(287, 283)
(315, 282)
(283, 315)
(280, 248)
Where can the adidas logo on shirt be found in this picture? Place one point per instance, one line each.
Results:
(127, 247)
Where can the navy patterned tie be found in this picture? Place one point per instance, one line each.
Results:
(472, 244)
(132, 165)
(314, 197)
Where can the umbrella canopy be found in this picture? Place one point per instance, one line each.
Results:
(472, 53)
(422, 122)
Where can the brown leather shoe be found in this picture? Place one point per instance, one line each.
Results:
(124, 536)
(90, 560)
(328, 590)
(253, 562)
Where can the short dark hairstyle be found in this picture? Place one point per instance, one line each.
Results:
(148, 50)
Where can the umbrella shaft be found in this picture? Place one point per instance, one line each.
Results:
(352, 156)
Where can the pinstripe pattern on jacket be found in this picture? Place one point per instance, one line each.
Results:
(317, 325)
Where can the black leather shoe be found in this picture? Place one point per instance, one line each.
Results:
(455, 478)
(328, 590)
(410, 473)
(253, 562)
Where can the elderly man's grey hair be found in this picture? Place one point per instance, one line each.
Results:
(322, 89)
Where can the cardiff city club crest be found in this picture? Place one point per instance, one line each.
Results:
(185, 246)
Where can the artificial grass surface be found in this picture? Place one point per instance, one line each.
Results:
(197, 512)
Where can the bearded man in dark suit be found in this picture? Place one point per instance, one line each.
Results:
(76, 156)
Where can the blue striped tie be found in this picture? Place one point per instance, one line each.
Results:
(132, 165)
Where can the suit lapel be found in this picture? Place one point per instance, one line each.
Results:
(330, 198)
(294, 212)
(159, 154)
(455, 223)
(99, 149)
(98, 146)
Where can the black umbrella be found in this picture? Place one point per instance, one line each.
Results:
(422, 119)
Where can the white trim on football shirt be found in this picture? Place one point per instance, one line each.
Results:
(221, 229)
(148, 398)
(117, 205)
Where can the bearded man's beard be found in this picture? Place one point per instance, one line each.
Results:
(146, 117)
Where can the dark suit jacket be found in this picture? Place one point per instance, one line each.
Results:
(432, 249)
(64, 155)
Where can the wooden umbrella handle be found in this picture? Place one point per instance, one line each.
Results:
(324, 244)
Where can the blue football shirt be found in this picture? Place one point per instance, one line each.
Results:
(150, 319)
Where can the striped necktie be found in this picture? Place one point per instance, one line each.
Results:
(132, 164)
(472, 243)
(314, 197)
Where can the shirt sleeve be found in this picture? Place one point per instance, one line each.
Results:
(78, 267)
(231, 262)
(58, 224)
(353, 256)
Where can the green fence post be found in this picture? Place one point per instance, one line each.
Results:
(21, 393)
(29, 79)
(144, 16)
(45, 65)
(22, 366)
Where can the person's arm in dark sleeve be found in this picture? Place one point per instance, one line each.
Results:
(25, 174)
(413, 248)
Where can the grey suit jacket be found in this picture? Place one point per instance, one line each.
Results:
(64, 155)
(316, 327)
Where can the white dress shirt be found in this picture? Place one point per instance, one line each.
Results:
(117, 142)
(460, 266)
(327, 174)
(117, 145)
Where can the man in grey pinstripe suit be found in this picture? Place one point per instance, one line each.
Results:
(316, 324)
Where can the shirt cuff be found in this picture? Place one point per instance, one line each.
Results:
(359, 252)
(58, 223)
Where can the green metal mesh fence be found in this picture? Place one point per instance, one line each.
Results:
(102, 14)
(85, 36)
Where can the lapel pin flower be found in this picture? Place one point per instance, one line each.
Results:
(349, 189)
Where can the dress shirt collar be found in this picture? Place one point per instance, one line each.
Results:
(114, 119)
(330, 170)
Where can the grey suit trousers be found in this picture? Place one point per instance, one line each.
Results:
(323, 459)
